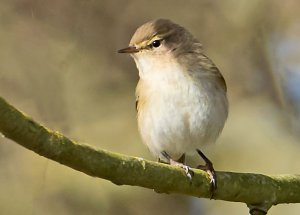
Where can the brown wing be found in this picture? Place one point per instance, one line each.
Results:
(207, 65)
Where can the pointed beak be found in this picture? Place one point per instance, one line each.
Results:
(130, 50)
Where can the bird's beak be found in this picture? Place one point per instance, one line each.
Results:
(129, 49)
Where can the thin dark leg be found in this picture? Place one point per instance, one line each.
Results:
(182, 159)
(188, 171)
(208, 167)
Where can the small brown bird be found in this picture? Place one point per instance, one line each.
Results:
(181, 95)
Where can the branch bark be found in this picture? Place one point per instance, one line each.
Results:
(258, 191)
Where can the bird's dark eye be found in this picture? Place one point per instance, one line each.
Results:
(156, 43)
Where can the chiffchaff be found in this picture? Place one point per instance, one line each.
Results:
(181, 94)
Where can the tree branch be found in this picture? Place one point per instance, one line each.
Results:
(258, 191)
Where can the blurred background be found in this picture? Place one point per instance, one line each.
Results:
(58, 64)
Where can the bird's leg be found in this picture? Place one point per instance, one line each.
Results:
(182, 159)
(188, 171)
(208, 167)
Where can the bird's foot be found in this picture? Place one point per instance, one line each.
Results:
(188, 170)
(208, 167)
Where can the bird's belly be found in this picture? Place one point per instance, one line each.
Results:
(178, 121)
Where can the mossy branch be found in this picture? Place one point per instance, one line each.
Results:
(258, 191)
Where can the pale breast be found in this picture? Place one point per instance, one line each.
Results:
(177, 114)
